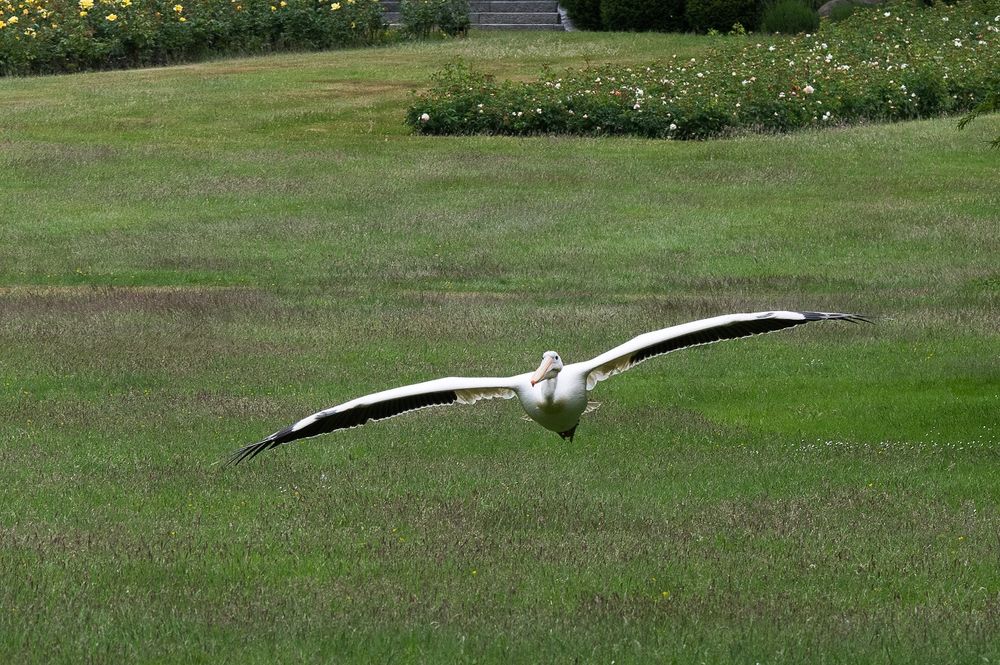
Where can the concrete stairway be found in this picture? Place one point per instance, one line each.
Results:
(500, 14)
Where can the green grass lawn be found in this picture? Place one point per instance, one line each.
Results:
(194, 257)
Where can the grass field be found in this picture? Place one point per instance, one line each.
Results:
(193, 257)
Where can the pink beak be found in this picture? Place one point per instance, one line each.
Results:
(542, 370)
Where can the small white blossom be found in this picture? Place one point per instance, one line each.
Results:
(809, 89)
(424, 117)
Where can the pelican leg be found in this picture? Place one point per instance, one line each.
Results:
(568, 434)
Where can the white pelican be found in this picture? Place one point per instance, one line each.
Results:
(554, 395)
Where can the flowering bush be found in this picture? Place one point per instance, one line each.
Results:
(889, 64)
(40, 36)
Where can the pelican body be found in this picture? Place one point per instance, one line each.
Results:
(554, 395)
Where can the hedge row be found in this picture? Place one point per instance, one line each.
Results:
(44, 36)
(892, 63)
(664, 15)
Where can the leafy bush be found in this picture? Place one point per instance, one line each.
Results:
(879, 65)
(420, 17)
(789, 17)
(705, 15)
(842, 11)
(585, 14)
(45, 36)
(643, 15)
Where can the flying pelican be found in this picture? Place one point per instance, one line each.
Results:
(555, 395)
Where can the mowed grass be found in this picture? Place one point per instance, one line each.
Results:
(194, 257)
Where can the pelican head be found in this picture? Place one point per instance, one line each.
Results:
(550, 367)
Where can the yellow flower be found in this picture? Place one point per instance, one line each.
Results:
(335, 6)
(2, 24)
(283, 3)
(12, 20)
(178, 8)
(112, 17)
(273, 8)
(86, 4)
(182, 20)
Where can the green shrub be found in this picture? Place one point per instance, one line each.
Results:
(643, 15)
(891, 63)
(842, 11)
(51, 36)
(421, 17)
(585, 14)
(705, 15)
(789, 17)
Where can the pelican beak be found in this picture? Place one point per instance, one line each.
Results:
(542, 370)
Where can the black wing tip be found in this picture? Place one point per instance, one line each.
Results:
(250, 451)
(836, 316)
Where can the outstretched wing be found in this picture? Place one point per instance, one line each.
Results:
(706, 331)
(382, 405)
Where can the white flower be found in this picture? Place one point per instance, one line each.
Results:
(958, 43)
(424, 117)
(887, 14)
(636, 107)
(809, 89)
(770, 48)
(538, 111)
(673, 126)
(639, 92)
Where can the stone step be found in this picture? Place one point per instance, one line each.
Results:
(520, 26)
(508, 18)
(499, 14)
(500, 6)
(512, 6)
